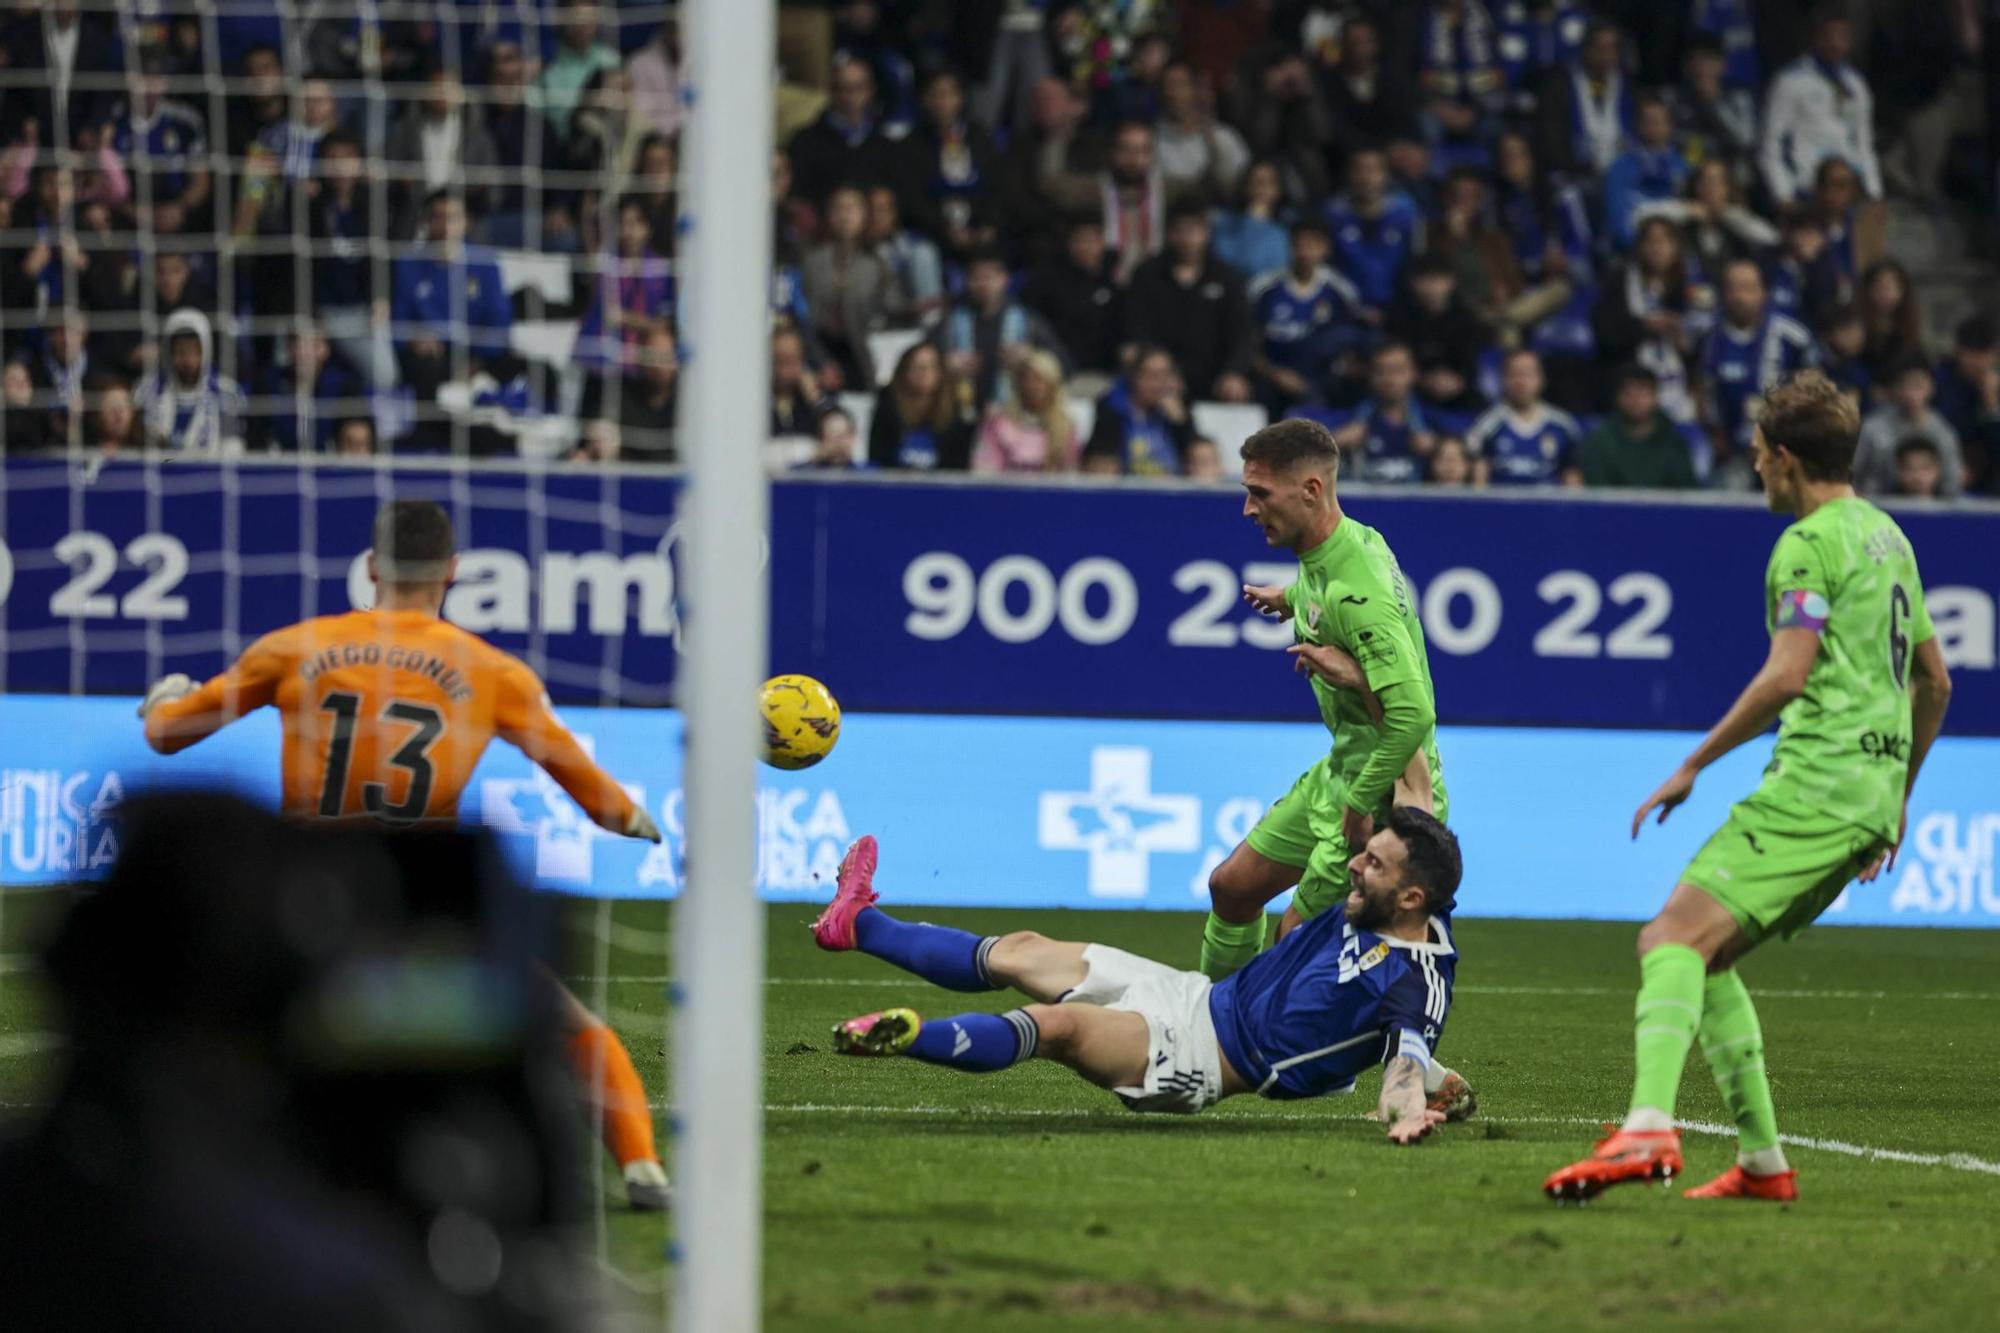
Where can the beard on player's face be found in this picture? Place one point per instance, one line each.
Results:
(1369, 907)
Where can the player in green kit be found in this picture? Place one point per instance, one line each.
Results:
(1857, 682)
(1360, 642)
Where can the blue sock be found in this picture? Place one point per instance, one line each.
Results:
(977, 1043)
(953, 959)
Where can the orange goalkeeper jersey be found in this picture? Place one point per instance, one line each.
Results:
(386, 714)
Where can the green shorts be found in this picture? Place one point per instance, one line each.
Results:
(1303, 830)
(1776, 869)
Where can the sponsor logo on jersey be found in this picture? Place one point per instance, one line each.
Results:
(1881, 745)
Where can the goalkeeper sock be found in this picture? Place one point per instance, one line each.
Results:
(613, 1091)
(1733, 1041)
(1228, 945)
(1664, 1023)
(977, 1043)
(953, 959)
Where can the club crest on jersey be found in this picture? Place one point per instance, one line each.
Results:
(1312, 616)
(1372, 957)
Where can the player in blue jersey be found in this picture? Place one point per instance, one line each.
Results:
(1523, 441)
(1306, 315)
(1367, 985)
(1752, 350)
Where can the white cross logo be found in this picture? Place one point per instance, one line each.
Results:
(1119, 821)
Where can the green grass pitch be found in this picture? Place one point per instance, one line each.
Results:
(903, 1197)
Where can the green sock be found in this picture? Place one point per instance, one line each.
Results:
(1228, 945)
(1733, 1041)
(1664, 1024)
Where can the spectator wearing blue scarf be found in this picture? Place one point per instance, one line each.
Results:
(1600, 101)
(1459, 54)
(1461, 79)
(986, 330)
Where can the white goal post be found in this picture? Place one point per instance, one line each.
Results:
(719, 923)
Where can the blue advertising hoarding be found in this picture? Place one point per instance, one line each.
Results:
(1043, 812)
(1082, 600)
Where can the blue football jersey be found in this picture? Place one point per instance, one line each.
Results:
(1525, 450)
(1306, 1017)
(1739, 367)
(1305, 327)
(1535, 38)
(1388, 448)
(172, 145)
(1370, 252)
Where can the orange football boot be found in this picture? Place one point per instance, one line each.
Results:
(1736, 1183)
(1621, 1157)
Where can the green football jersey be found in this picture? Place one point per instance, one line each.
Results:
(1350, 592)
(1848, 572)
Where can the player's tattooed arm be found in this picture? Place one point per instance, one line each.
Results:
(1402, 1106)
(1269, 600)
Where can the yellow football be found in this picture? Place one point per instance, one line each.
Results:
(801, 721)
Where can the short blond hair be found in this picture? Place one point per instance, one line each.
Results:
(1812, 420)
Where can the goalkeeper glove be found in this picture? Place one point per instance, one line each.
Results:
(639, 824)
(164, 689)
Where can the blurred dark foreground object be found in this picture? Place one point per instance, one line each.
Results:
(312, 1086)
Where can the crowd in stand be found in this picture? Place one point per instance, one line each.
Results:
(1486, 242)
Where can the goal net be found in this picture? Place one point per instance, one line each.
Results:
(266, 266)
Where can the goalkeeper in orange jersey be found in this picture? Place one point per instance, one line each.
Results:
(386, 713)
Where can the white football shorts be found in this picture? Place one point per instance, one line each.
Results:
(1184, 1062)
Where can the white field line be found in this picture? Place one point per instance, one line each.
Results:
(25, 962)
(1757, 992)
(1953, 1161)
